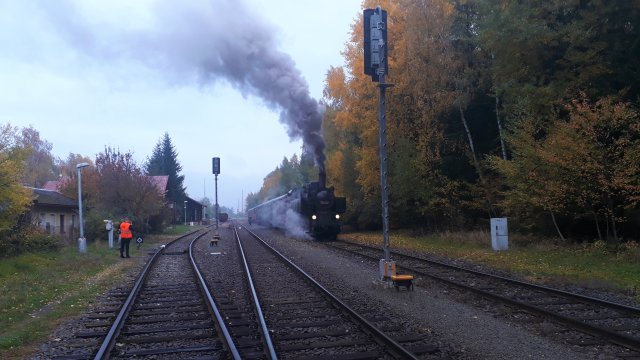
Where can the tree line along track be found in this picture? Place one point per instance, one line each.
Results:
(600, 321)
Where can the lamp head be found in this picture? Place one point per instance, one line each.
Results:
(82, 165)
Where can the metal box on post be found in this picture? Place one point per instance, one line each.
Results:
(499, 234)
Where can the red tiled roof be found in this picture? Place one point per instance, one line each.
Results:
(51, 185)
(55, 185)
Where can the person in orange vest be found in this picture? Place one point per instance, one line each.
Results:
(126, 234)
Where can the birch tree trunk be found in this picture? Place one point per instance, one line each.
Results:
(553, 217)
(595, 217)
(502, 147)
(470, 140)
(613, 219)
(475, 159)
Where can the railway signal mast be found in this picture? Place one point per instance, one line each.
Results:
(216, 172)
(375, 65)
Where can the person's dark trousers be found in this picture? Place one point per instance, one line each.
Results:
(124, 245)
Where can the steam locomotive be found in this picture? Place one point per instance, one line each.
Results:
(312, 208)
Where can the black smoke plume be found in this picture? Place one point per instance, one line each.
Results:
(204, 42)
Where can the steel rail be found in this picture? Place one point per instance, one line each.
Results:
(620, 339)
(256, 301)
(398, 349)
(596, 301)
(118, 323)
(212, 304)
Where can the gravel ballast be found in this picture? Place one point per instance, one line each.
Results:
(473, 332)
(462, 326)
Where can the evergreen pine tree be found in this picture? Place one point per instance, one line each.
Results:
(164, 161)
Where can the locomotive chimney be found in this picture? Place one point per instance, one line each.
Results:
(322, 177)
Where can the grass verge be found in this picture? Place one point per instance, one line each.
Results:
(39, 291)
(596, 265)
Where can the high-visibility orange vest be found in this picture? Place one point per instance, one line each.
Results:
(125, 233)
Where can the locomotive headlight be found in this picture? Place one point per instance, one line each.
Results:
(337, 216)
(313, 217)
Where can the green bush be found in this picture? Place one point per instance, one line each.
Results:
(5, 244)
(28, 239)
(37, 240)
(630, 250)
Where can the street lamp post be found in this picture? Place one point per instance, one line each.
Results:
(185, 212)
(82, 242)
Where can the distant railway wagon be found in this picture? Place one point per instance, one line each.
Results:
(312, 208)
(223, 217)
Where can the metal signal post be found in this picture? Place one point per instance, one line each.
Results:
(382, 122)
(376, 65)
(216, 172)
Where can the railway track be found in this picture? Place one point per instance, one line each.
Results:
(305, 321)
(169, 313)
(604, 321)
(224, 269)
(166, 313)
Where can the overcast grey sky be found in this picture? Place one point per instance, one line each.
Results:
(90, 73)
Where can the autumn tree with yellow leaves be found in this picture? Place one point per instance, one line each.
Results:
(499, 108)
(14, 197)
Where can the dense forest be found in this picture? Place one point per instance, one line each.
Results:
(518, 109)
